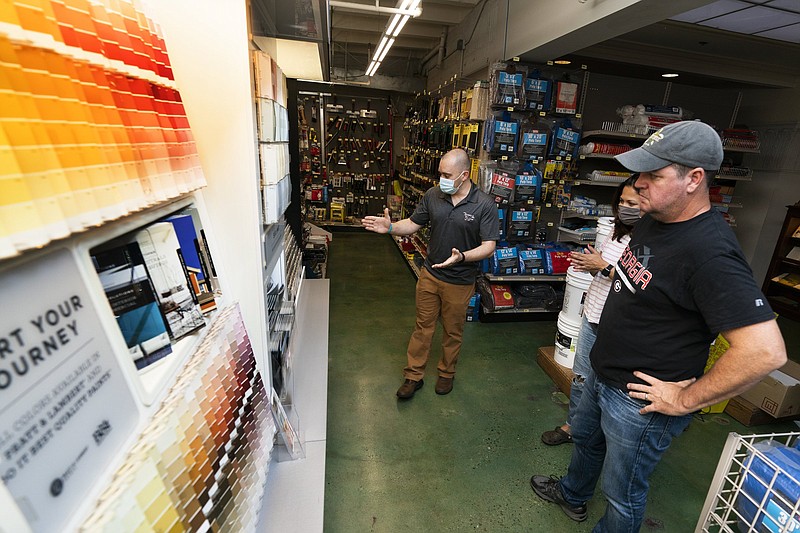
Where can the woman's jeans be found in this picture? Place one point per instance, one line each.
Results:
(581, 366)
(611, 436)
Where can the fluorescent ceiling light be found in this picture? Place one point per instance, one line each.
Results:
(392, 25)
(386, 49)
(373, 68)
(562, 62)
(380, 47)
(399, 26)
(405, 4)
(670, 75)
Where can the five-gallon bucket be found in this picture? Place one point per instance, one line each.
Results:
(574, 294)
(605, 225)
(566, 340)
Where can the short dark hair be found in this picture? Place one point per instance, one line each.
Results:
(683, 170)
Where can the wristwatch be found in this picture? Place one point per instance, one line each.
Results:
(607, 270)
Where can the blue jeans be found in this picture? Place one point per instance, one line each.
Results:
(581, 367)
(610, 435)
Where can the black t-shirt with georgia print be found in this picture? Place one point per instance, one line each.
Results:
(676, 287)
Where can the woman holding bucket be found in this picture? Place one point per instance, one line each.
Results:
(600, 263)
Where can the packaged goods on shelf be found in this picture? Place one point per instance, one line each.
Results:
(565, 140)
(621, 127)
(603, 148)
(466, 104)
(501, 214)
(537, 94)
(770, 490)
(664, 110)
(501, 187)
(719, 194)
(556, 260)
(566, 97)
(734, 172)
(495, 296)
(504, 261)
(608, 176)
(521, 224)
(740, 139)
(501, 136)
(507, 85)
(531, 261)
(534, 137)
(528, 186)
(480, 101)
(473, 308)
(651, 117)
(536, 296)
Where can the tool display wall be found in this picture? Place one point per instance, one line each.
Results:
(345, 156)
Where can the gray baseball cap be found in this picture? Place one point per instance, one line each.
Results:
(689, 143)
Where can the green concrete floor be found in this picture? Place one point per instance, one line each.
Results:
(462, 462)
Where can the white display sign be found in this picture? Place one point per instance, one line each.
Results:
(65, 408)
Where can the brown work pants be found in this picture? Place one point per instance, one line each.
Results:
(436, 300)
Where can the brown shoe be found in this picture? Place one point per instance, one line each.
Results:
(444, 385)
(408, 388)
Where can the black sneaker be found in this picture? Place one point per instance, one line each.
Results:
(548, 489)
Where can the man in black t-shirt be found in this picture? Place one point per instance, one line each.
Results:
(464, 230)
(682, 280)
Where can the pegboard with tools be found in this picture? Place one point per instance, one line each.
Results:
(346, 158)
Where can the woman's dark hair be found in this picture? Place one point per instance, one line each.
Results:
(620, 229)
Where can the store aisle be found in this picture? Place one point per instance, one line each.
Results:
(460, 462)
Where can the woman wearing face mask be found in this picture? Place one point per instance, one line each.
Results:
(625, 206)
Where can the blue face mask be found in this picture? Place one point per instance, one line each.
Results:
(448, 186)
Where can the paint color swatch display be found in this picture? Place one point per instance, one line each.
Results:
(92, 126)
(201, 463)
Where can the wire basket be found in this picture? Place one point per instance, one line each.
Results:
(751, 491)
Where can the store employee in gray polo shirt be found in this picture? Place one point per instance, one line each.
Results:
(464, 229)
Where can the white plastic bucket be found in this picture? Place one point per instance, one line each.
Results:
(566, 340)
(605, 225)
(574, 294)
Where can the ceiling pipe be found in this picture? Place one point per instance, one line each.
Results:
(442, 44)
(352, 6)
(438, 50)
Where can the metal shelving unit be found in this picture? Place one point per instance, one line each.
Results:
(749, 489)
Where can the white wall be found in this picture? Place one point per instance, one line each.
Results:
(543, 30)
(207, 42)
(775, 114)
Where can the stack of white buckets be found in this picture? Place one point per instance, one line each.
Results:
(569, 319)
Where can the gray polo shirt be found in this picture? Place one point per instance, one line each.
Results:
(463, 226)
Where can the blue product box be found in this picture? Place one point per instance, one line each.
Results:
(505, 262)
(531, 262)
(528, 187)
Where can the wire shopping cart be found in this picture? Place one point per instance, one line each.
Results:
(755, 486)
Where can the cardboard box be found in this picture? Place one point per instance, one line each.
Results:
(778, 393)
(749, 414)
(561, 375)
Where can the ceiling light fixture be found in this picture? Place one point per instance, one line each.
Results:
(562, 62)
(396, 32)
(407, 9)
(385, 50)
(670, 75)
